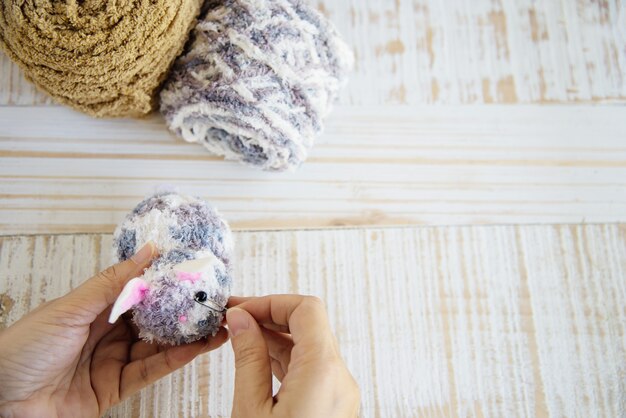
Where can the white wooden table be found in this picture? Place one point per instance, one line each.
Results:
(473, 129)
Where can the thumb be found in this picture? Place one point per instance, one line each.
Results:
(253, 372)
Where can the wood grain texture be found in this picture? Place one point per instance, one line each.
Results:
(487, 321)
(484, 51)
(463, 51)
(374, 166)
(15, 89)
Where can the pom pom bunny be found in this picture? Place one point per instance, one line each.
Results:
(182, 296)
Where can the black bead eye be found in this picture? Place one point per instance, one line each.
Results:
(201, 296)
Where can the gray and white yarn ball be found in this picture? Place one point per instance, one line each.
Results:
(182, 296)
(257, 80)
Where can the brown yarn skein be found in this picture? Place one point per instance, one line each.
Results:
(105, 58)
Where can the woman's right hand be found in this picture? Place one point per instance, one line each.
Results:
(289, 336)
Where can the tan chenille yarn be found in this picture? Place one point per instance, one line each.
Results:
(103, 57)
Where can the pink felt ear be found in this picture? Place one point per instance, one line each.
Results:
(191, 277)
(133, 293)
(192, 270)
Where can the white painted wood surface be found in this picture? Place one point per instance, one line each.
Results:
(489, 321)
(463, 51)
(484, 51)
(375, 166)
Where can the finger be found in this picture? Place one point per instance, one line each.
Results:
(97, 293)
(277, 370)
(253, 372)
(279, 346)
(98, 329)
(142, 372)
(284, 329)
(101, 326)
(237, 300)
(304, 315)
(109, 358)
(142, 349)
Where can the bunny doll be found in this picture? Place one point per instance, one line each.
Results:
(182, 296)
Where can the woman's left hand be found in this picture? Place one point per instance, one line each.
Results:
(65, 359)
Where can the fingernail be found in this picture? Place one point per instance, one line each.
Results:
(144, 254)
(238, 321)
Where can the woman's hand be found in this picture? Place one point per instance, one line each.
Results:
(288, 336)
(64, 359)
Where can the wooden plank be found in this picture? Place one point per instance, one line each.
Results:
(488, 321)
(15, 89)
(374, 166)
(463, 51)
(484, 51)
